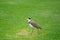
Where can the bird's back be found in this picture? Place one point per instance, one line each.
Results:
(34, 24)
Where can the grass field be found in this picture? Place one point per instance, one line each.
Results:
(14, 14)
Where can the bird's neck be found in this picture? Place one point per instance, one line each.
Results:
(29, 20)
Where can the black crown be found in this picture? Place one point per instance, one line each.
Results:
(29, 18)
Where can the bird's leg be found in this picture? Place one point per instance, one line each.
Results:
(32, 31)
(38, 31)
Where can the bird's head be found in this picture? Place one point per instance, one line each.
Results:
(29, 18)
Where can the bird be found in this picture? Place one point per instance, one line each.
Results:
(33, 24)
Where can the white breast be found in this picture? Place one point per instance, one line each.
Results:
(31, 26)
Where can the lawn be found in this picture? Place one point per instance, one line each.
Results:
(14, 15)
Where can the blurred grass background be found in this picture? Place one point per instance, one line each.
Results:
(14, 14)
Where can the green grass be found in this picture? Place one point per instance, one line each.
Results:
(14, 14)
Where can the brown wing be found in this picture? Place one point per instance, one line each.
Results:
(35, 25)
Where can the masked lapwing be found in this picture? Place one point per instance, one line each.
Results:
(33, 24)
